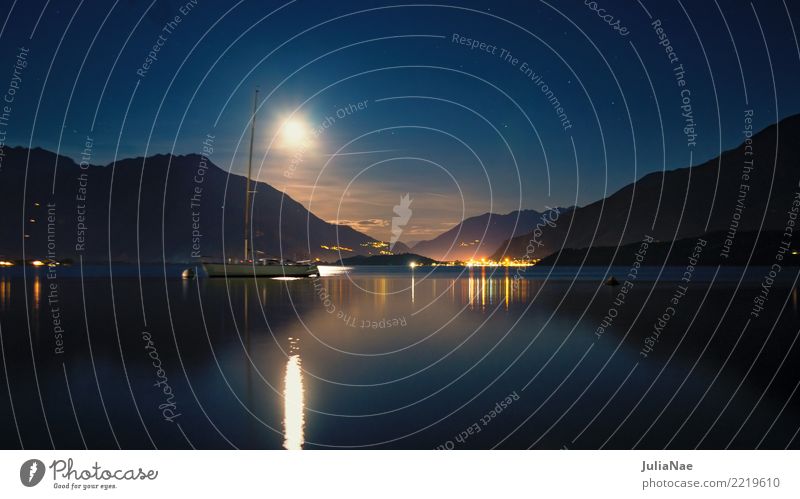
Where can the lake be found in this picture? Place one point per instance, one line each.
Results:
(392, 357)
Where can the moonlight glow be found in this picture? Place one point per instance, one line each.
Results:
(295, 133)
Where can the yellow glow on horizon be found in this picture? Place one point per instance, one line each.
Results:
(294, 405)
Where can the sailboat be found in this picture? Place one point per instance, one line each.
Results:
(250, 266)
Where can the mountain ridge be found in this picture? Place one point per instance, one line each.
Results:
(161, 224)
(476, 236)
(709, 191)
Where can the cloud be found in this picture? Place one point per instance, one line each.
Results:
(356, 153)
(363, 225)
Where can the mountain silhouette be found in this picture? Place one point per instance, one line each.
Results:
(150, 209)
(477, 237)
(686, 202)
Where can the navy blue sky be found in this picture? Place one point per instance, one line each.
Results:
(211, 62)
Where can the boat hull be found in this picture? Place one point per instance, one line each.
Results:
(250, 270)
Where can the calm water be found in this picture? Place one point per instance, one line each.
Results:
(387, 357)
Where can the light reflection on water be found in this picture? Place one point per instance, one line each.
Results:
(37, 291)
(370, 354)
(332, 270)
(478, 288)
(5, 292)
(294, 405)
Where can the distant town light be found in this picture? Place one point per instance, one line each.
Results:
(412, 264)
(37, 263)
(506, 262)
(335, 248)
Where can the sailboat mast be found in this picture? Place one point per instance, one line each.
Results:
(247, 182)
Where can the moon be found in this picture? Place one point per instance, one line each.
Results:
(295, 133)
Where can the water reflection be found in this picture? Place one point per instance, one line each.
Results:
(507, 282)
(332, 270)
(294, 405)
(37, 292)
(5, 293)
(478, 289)
(269, 338)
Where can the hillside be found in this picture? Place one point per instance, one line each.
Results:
(404, 259)
(678, 253)
(160, 208)
(477, 237)
(686, 202)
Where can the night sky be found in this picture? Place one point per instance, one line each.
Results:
(400, 100)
